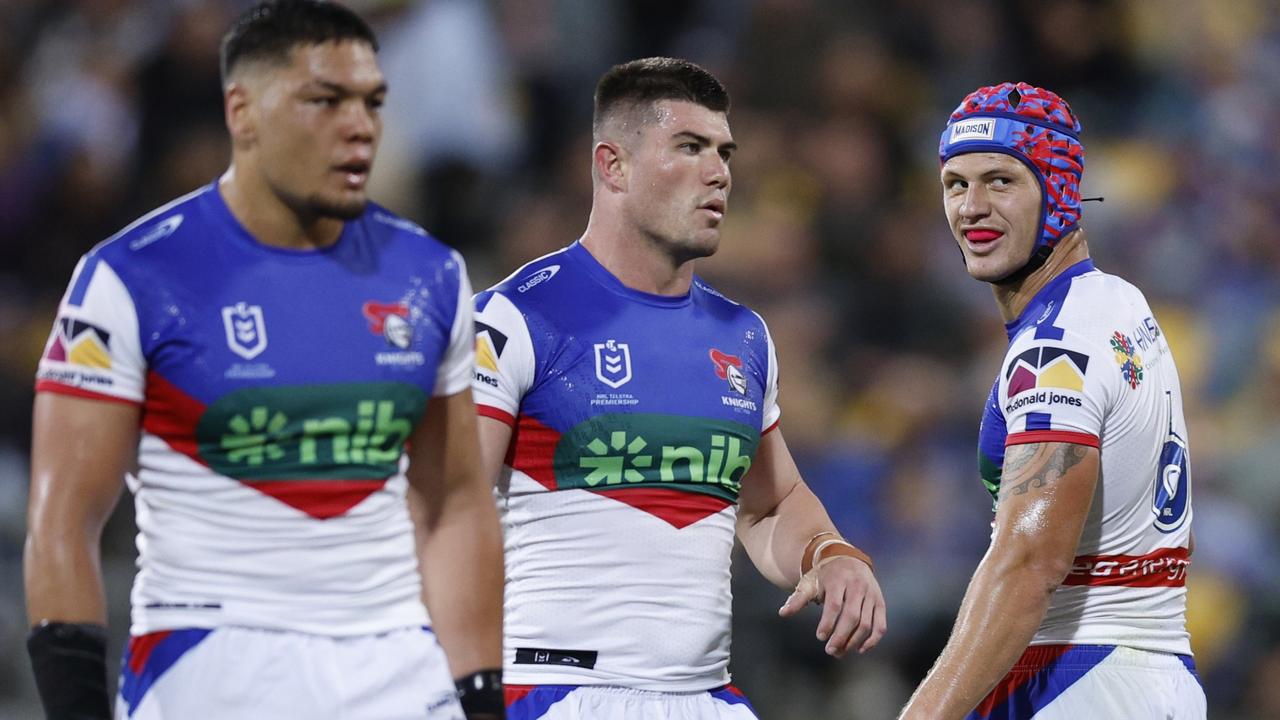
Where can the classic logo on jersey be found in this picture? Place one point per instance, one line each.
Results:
(538, 278)
(1128, 359)
(729, 368)
(1046, 367)
(80, 343)
(246, 329)
(391, 321)
(161, 231)
(613, 363)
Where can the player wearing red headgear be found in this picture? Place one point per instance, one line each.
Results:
(1078, 608)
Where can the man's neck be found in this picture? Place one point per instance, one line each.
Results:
(269, 220)
(635, 260)
(1013, 298)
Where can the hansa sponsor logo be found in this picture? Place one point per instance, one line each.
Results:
(538, 278)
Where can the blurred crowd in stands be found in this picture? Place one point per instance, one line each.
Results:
(835, 234)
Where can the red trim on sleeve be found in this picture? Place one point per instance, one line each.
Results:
(771, 428)
(493, 412)
(57, 387)
(1063, 436)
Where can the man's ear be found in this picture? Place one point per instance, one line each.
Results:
(609, 163)
(238, 110)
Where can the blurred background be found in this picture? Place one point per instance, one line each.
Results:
(836, 235)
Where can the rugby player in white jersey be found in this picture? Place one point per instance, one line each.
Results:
(629, 417)
(1078, 608)
(276, 362)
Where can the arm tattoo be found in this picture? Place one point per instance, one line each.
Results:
(1047, 463)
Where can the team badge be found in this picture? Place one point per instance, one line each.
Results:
(1128, 359)
(80, 343)
(613, 363)
(391, 321)
(729, 368)
(246, 329)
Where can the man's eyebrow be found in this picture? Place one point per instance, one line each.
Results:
(344, 90)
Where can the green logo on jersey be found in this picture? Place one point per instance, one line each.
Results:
(650, 450)
(350, 431)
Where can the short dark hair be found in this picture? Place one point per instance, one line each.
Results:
(649, 80)
(270, 30)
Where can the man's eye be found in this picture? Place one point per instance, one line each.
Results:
(328, 101)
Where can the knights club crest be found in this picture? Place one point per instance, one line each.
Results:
(246, 330)
(613, 363)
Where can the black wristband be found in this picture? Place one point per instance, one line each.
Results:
(480, 695)
(70, 664)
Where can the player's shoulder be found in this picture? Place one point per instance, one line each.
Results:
(139, 240)
(721, 307)
(382, 222)
(1100, 302)
(531, 286)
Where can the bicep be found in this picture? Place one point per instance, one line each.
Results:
(773, 476)
(1046, 490)
(442, 448)
(80, 451)
(495, 438)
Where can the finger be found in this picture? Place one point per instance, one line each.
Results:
(854, 626)
(803, 595)
(830, 613)
(880, 624)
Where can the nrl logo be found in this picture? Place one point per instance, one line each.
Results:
(246, 329)
(613, 363)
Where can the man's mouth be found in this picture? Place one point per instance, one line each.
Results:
(716, 207)
(981, 235)
(356, 173)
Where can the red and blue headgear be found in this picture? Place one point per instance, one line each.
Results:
(1038, 128)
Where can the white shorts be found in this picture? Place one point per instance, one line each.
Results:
(1098, 682)
(234, 673)
(592, 702)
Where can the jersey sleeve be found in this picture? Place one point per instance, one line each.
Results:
(772, 412)
(454, 374)
(1055, 390)
(94, 349)
(505, 362)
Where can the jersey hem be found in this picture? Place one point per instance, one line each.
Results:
(514, 677)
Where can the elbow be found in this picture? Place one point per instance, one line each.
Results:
(1034, 570)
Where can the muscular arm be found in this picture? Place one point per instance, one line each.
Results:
(1045, 495)
(81, 449)
(459, 542)
(777, 516)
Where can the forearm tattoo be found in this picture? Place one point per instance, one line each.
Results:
(1044, 462)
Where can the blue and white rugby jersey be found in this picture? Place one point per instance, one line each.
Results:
(277, 388)
(635, 418)
(1088, 364)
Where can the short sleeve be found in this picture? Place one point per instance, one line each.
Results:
(1054, 390)
(505, 361)
(772, 411)
(454, 373)
(94, 349)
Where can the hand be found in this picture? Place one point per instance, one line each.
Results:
(853, 611)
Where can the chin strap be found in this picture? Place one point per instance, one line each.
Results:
(1038, 258)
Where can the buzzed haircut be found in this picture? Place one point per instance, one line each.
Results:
(270, 30)
(639, 84)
